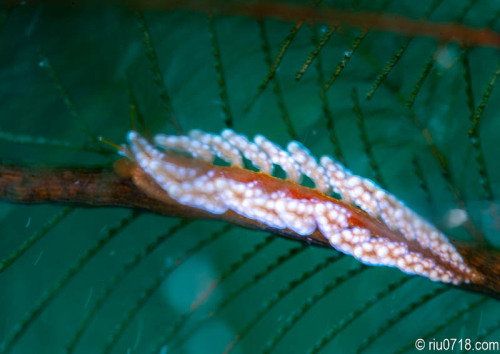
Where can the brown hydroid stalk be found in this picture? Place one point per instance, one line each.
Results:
(105, 188)
(93, 187)
(453, 32)
(296, 12)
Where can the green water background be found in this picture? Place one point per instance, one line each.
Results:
(97, 53)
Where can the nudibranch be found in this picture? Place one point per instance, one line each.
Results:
(366, 222)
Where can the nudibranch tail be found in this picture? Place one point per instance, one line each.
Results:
(368, 223)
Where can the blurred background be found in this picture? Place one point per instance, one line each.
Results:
(408, 111)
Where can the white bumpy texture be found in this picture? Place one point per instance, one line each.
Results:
(217, 194)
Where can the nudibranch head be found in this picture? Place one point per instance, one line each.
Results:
(368, 223)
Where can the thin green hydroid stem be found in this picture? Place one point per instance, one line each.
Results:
(475, 138)
(137, 121)
(466, 10)
(388, 68)
(53, 143)
(280, 294)
(345, 60)
(221, 79)
(49, 295)
(312, 300)
(318, 46)
(418, 85)
(353, 315)
(473, 130)
(61, 89)
(419, 173)
(397, 55)
(327, 112)
(37, 236)
(494, 19)
(246, 257)
(125, 270)
(348, 54)
(155, 70)
(432, 60)
(205, 295)
(471, 228)
(399, 316)
(274, 65)
(468, 81)
(277, 88)
(485, 333)
(457, 315)
(150, 290)
(364, 138)
(292, 253)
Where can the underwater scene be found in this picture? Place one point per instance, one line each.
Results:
(97, 255)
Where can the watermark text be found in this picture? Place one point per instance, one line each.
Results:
(453, 344)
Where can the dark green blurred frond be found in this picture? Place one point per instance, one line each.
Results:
(418, 116)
